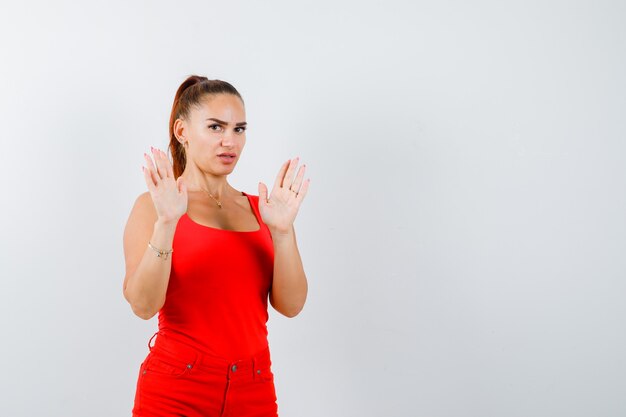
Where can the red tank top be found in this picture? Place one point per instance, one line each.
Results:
(218, 289)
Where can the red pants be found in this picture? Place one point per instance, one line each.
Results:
(177, 380)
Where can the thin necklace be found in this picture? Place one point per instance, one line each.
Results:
(219, 203)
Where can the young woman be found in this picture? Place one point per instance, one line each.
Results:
(206, 257)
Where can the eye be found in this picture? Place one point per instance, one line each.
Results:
(242, 129)
(213, 126)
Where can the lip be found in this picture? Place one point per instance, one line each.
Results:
(228, 154)
(227, 158)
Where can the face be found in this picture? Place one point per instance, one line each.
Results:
(216, 133)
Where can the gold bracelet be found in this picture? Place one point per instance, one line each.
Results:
(160, 252)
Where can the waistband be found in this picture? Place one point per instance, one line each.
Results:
(182, 353)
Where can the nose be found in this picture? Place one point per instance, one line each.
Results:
(227, 140)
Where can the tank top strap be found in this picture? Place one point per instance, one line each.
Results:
(254, 203)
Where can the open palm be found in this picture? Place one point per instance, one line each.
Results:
(169, 195)
(279, 210)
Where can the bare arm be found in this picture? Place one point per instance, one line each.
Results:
(289, 285)
(147, 275)
(153, 219)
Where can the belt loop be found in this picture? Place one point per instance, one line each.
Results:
(150, 347)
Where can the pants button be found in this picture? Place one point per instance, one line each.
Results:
(258, 371)
(234, 368)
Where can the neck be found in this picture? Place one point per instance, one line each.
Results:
(216, 185)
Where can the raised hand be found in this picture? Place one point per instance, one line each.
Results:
(279, 210)
(168, 195)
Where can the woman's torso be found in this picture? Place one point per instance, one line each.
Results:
(218, 288)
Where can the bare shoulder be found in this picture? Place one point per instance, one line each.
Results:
(143, 211)
(139, 228)
(253, 197)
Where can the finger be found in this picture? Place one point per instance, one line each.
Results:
(303, 190)
(281, 174)
(163, 161)
(182, 187)
(262, 193)
(168, 166)
(151, 169)
(296, 183)
(165, 164)
(148, 178)
(160, 163)
(290, 171)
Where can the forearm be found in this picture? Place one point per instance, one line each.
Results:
(146, 288)
(289, 285)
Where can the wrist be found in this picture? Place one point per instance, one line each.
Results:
(164, 223)
(281, 234)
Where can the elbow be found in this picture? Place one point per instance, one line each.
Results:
(292, 312)
(143, 313)
(287, 309)
(287, 312)
(142, 310)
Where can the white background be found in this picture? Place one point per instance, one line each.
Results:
(464, 231)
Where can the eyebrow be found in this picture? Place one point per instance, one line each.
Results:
(224, 123)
